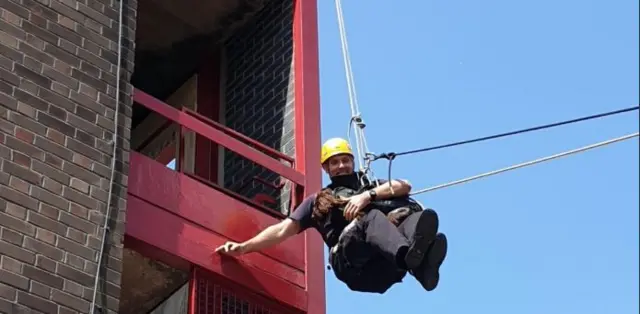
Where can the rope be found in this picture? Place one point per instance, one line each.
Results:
(356, 121)
(391, 156)
(529, 163)
(105, 227)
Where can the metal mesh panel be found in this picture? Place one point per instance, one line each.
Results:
(212, 298)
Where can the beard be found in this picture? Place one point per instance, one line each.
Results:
(350, 180)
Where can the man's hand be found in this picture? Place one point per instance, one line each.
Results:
(231, 248)
(355, 205)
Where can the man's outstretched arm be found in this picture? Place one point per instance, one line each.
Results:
(274, 234)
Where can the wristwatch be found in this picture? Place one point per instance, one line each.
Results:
(373, 195)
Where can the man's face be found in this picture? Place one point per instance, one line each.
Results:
(339, 165)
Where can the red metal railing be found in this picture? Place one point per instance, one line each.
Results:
(240, 144)
(264, 198)
(262, 147)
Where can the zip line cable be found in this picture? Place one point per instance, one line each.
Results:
(365, 156)
(391, 156)
(529, 163)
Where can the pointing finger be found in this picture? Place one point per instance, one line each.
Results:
(224, 248)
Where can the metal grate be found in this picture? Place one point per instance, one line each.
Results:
(212, 298)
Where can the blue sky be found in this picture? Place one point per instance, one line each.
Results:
(559, 237)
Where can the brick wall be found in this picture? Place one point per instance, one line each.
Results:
(259, 93)
(57, 106)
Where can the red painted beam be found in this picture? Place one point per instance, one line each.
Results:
(207, 207)
(186, 240)
(307, 128)
(216, 136)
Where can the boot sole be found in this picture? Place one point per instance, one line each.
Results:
(435, 258)
(426, 230)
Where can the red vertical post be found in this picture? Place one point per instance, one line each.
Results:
(191, 306)
(208, 99)
(307, 137)
(180, 158)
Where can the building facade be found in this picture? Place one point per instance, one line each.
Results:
(97, 97)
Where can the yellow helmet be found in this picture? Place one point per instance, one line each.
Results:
(335, 146)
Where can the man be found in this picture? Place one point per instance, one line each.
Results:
(362, 239)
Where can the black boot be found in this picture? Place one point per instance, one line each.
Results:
(424, 233)
(428, 272)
